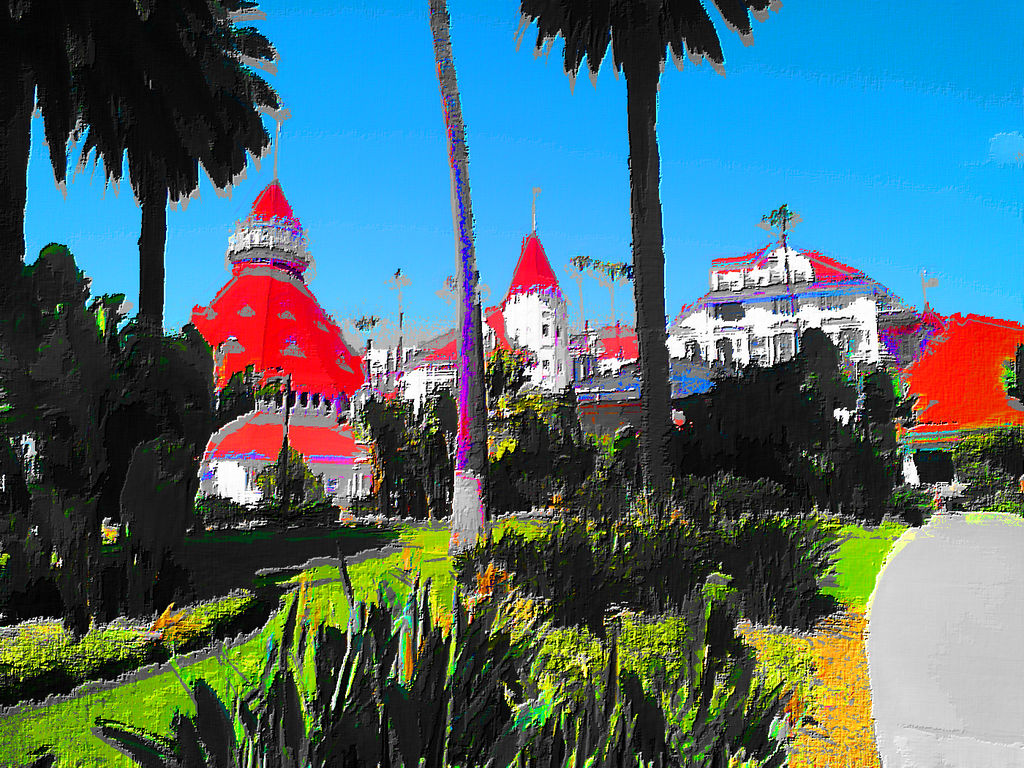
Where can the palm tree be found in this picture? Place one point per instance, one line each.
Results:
(468, 514)
(640, 31)
(170, 87)
(41, 40)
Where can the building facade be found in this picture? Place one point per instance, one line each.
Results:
(760, 303)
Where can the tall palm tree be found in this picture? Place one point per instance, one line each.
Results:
(41, 41)
(170, 86)
(468, 513)
(639, 32)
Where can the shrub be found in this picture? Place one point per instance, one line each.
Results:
(777, 564)
(991, 464)
(911, 505)
(581, 569)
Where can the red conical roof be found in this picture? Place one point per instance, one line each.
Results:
(271, 204)
(268, 318)
(533, 271)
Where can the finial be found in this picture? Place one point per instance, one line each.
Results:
(536, 191)
(781, 220)
(277, 143)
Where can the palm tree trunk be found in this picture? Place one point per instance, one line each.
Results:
(16, 102)
(152, 240)
(468, 513)
(642, 70)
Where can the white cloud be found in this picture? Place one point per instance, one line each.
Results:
(1006, 149)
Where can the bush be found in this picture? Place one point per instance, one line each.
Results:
(777, 564)
(40, 658)
(991, 464)
(539, 454)
(216, 511)
(582, 570)
(912, 505)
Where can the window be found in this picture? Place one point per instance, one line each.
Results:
(547, 364)
(730, 312)
(544, 329)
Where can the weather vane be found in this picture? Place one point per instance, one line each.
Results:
(782, 219)
(931, 282)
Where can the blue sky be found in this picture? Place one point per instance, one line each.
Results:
(893, 130)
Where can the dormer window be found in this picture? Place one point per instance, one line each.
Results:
(545, 329)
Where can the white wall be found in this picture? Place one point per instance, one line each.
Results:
(527, 317)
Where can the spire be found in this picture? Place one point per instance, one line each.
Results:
(272, 204)
(536, 191)
(271, 234)
(533, 271)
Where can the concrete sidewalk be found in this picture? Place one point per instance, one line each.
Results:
(946, 646)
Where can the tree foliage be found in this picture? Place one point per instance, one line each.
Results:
(804, 425)
(413, 454)
(83, 395)
(540, 456)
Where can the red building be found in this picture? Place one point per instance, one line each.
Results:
(266, 317)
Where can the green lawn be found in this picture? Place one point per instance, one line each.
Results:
(859, 560)
(151, 703)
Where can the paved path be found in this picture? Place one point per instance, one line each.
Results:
(946, 646)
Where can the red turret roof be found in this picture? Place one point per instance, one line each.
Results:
(272, 204)
(533, 271)
(268, 318)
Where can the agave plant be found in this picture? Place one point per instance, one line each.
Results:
(397, 689)
(394, 688)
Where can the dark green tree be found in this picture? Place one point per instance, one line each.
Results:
(58, 385)
(797, 424)
(237, 398)
(301, 485)
(86, 394)
(639, 31)
(166, 85)
(42, 40)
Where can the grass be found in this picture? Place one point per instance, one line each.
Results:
(859, 561)
(65, 727)
(827, 669)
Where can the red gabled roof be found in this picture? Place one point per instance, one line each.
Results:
(825, 269)
(958, 381)
(272, 204)
(752, 259)
(258, 437)
(828, 270)
(447, 353)
(268, 318)
(533, 270)
(446, 349)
